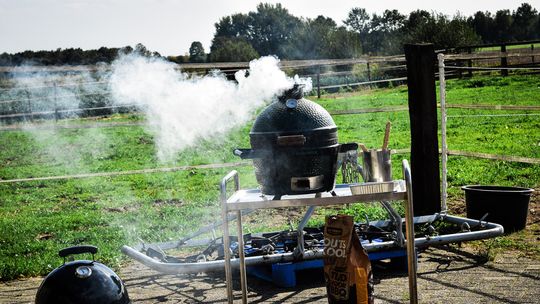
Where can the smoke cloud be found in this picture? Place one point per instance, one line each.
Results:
(183, 109)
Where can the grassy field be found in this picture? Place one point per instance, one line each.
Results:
(509, 47)
(38, 218)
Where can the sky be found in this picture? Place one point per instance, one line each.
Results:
(170, 26)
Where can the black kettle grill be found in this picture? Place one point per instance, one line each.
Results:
(294, 146)
(82, 282)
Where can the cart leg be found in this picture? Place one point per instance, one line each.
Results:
(226, 239)
(409, 227)
(227, 253)
(243, 277)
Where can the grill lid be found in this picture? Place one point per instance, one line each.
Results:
(292, 113)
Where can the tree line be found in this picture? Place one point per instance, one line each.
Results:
(71, 56)
(272, 30)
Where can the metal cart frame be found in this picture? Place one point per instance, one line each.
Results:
(243, 202)
(253, 199)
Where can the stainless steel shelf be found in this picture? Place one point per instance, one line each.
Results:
(254, 199)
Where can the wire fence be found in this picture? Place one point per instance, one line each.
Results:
(92, 98)
(374, 71)
(444, 117)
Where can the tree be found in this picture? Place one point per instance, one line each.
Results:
(438, 29)
(420, 26)
(344, 44)
(525, 19)
(457, 32)
(231, 49)
(142, 50)
(358, 20)
(271, 28)
(236, 25)
(268, 30)
(385, 36)
(196, 52)
(503, 26)
(311, 39)
(482, 24)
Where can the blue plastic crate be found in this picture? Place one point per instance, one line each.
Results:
(284, 274)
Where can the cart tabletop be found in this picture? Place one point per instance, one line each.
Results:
(254, 199)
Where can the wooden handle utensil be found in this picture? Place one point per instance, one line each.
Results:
(386, 135)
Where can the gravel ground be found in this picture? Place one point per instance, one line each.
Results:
(446, 275)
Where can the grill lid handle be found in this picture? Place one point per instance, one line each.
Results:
(77, 250)
(291, 140)
(249, 153)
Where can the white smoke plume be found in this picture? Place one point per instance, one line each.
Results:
(182, 109)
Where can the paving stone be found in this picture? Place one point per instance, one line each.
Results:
(450, 275)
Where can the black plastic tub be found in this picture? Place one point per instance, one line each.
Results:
(507, 206)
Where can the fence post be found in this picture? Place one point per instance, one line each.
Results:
(423, 119)
(319, 82)
(368, 72)
(504, 61)
(469, 62)
(29, 106)
(532, 51)
(55, 103)
(444, 146)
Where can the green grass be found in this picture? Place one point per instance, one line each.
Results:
(509, 47)
(39, 218)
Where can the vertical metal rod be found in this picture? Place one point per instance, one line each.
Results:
(226, 248)
(226, 236)
(55, 102)
(29, 108)
(444, 146)
(532, 51)
(319, 82)
(396, 219)
(243, 278)
(409, 227)
(309, 212)
(368, 72)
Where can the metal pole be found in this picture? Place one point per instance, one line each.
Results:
(409, 230)
(532, 51)
(300, 247)
(55, 103)
(243, 278)
(368, 72)
(226, 239)
(319, 82)
(444, 147)
(29, 109)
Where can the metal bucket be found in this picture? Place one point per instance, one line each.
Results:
(377, 166)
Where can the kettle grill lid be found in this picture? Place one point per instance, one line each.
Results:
(82, 282)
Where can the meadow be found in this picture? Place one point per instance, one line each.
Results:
(37, 218)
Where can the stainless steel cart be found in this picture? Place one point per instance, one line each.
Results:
(253, 199)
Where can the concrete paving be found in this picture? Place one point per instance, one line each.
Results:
(445, 275)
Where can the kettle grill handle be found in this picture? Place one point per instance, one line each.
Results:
(78, 250)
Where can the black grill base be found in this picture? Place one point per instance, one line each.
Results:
(286, 172)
